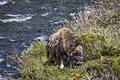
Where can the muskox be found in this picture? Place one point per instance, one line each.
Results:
(65, 48)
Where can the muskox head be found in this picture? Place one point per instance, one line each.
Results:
(76, 57)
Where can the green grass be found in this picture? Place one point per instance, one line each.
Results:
(31, 66)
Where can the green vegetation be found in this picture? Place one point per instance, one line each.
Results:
(100, 34)
(31, 66)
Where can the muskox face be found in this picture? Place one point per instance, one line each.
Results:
(76, 56)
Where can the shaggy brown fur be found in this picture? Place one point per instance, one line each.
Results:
(64, 46)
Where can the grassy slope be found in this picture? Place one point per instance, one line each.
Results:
(99, 31)
(31, 66)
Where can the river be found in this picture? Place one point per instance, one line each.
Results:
(25, 21)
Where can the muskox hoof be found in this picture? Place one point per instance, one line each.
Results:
(61, 66)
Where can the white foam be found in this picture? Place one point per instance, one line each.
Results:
(8, 65)
(13, 15)
(41, 38)
(24, 45)
(3, 2)
(27, 1)
(2, 37)
(58, 22)
(1, 77)
(44, 15)
(17, 18)
(1, 60)
(44, 8)
(12, 40)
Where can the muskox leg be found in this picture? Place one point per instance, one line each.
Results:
(61, 64)
(71, 63)
(50, 59)
(57, 58)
